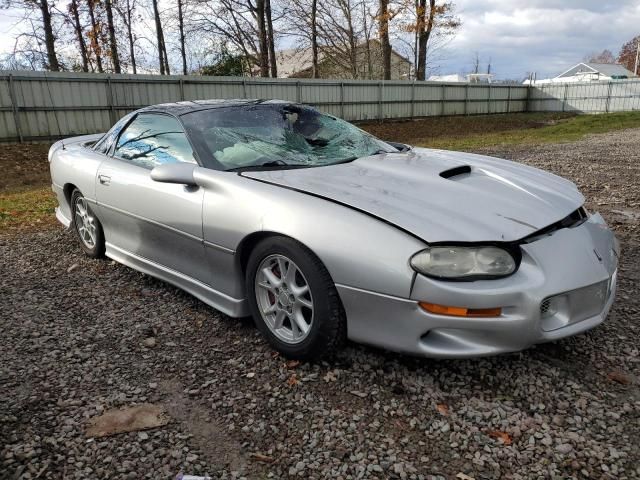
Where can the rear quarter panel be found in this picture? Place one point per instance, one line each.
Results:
(73, 165)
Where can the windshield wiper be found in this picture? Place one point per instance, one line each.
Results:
(269, 165)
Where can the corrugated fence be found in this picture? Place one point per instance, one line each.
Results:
(44, 105)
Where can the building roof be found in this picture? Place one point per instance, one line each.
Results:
(295, 60)
(606, 69)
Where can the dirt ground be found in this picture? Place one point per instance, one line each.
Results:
(76, 343)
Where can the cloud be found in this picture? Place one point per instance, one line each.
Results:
(546, 36)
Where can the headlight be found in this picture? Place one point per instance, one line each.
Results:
(461, 262)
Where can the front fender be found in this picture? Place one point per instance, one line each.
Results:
(357, 249)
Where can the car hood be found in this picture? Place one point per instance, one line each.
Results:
(439, 195)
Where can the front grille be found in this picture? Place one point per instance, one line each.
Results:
(544, 307)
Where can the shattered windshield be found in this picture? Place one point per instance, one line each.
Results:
(261, 135)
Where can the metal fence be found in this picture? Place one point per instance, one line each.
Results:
(43, 105)
(588, 97)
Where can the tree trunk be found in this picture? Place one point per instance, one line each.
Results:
(384, 39)
(95, 36)
(182, 46)
(78, 29)
(262, 37)
(314, 39)
(425, 25)
(49, 39)
(353, 54)
(160, 38)
(112, 37)
(132, 53)
(271, 41)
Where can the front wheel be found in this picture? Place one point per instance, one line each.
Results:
(293, 300)
(86, 226)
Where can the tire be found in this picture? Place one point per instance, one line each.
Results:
(86, 227)
(325, 320)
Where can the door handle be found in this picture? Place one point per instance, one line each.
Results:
(104, 179)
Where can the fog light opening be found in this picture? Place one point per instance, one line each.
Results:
(460, 311)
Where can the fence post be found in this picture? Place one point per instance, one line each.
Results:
(298, 92)
(342, 100)
(112, 112)
(564, 96)
(466, 99)
(244, 87)
(608, 97)
(181, 81)
(489, 100)
(380, 93)
(509, 99)
(444, 99)
(413, 99)
(14, 108)
(528, 102)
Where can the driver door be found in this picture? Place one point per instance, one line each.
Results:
(157, 223)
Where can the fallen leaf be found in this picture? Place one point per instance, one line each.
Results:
(250, 375)
(619, 377)
(128, 419)
(463, 476)
(442, 409)
(262, 458)
(330, 376)
(292, 363)
(293, 380)
(504, 437)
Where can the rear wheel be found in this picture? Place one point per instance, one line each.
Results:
(86, 226)
(293, 300)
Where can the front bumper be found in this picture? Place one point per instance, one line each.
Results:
(570, 266)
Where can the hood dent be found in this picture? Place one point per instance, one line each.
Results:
(498, 200)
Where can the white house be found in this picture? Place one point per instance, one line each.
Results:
(587, 72)
(469, 78)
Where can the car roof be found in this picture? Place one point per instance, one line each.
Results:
(189, 106)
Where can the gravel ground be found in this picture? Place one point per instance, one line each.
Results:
(76, 342)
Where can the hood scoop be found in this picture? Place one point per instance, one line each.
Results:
(456, 171)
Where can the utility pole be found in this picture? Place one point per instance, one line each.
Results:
(635, 70)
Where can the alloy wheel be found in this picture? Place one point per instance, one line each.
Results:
(85, 223)
(284, 298)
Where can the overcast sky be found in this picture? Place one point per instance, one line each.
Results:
(545, 36)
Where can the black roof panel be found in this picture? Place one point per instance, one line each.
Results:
(181, 108)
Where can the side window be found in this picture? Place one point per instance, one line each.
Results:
(105, 142)
(152, 140)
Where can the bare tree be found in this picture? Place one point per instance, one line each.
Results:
(77, 27)
(183, 51)
(113, 45)
(52, 58)
(95, 34)
(475, 63)
(339, 35)
(270, 40)
(162, 48)
(383, 22)
(604, 56)
(314, 38)
(126, 10)
(42, 28)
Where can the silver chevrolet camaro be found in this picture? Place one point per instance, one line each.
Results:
(323, 232)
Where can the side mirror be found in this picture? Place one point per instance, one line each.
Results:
(180, 173)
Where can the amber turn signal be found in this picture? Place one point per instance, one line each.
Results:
(460, 311)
